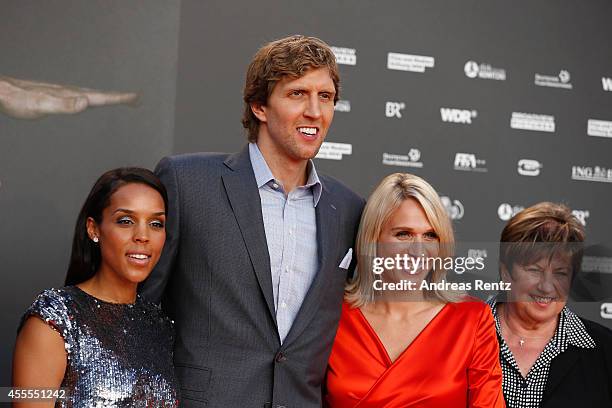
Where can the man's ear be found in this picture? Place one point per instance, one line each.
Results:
(259, 111)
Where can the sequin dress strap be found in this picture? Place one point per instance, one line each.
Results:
(54, 307)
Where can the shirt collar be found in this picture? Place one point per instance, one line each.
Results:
(263, 174)
(570, 329)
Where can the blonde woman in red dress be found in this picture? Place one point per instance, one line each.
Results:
(413, 348)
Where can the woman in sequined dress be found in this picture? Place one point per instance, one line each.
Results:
(95, 337)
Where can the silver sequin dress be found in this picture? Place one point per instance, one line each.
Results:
(119, 355)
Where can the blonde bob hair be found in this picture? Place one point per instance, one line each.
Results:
(381, 205)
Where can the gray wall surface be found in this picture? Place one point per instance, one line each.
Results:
(48, 165)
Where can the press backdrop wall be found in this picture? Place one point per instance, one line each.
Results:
(498, 104)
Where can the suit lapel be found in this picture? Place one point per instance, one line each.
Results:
(559, 368)
(241, 189)
(327, 225)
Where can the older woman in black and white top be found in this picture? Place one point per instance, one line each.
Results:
(550, 357)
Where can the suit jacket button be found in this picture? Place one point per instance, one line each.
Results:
(280, 357)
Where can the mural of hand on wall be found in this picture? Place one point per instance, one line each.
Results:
(26, 99)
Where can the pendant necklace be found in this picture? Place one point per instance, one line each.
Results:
(522, 339)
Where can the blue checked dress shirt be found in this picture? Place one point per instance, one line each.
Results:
(291, 235)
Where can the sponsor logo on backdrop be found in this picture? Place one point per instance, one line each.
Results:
(343, 106)
(589, 173)
(601, 128)
(506, 211)
(606, 310)
(412, 159)
(596, 264)
(394, 109)
(345, 56)
(529, 167)
(476, 253)
(454, 208)
(457, 115)
(334, 151)
(474, 69)
(561, 80)
(606, 83)
(469, 162)
(581, 215)
(409, 62)
(532, 121)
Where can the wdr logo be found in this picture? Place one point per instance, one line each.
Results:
(458, 115)
(606, 83)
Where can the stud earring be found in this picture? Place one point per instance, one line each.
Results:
(95, 239)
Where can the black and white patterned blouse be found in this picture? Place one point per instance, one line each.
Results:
(527, 392)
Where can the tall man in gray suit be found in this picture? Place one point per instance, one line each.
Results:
(258, 243)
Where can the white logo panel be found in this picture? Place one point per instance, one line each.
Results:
(469, 162)
(394, 109)
(334, 151)
(474, 70)
(589, 173)
(454, 208)
(343, 106)
(345, 56)
(403, 160)
(506, 211)
(409, 62)
(529, 167)
(581, 215)
(532, 121)
(606, 310)
(601, 128)
(561, 80)
(455, 115)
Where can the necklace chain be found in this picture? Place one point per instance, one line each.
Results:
(522, 339)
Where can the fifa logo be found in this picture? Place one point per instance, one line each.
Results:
(465, 160)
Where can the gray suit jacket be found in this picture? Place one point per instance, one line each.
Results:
(214, 281)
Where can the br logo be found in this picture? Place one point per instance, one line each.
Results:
(394, 109)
